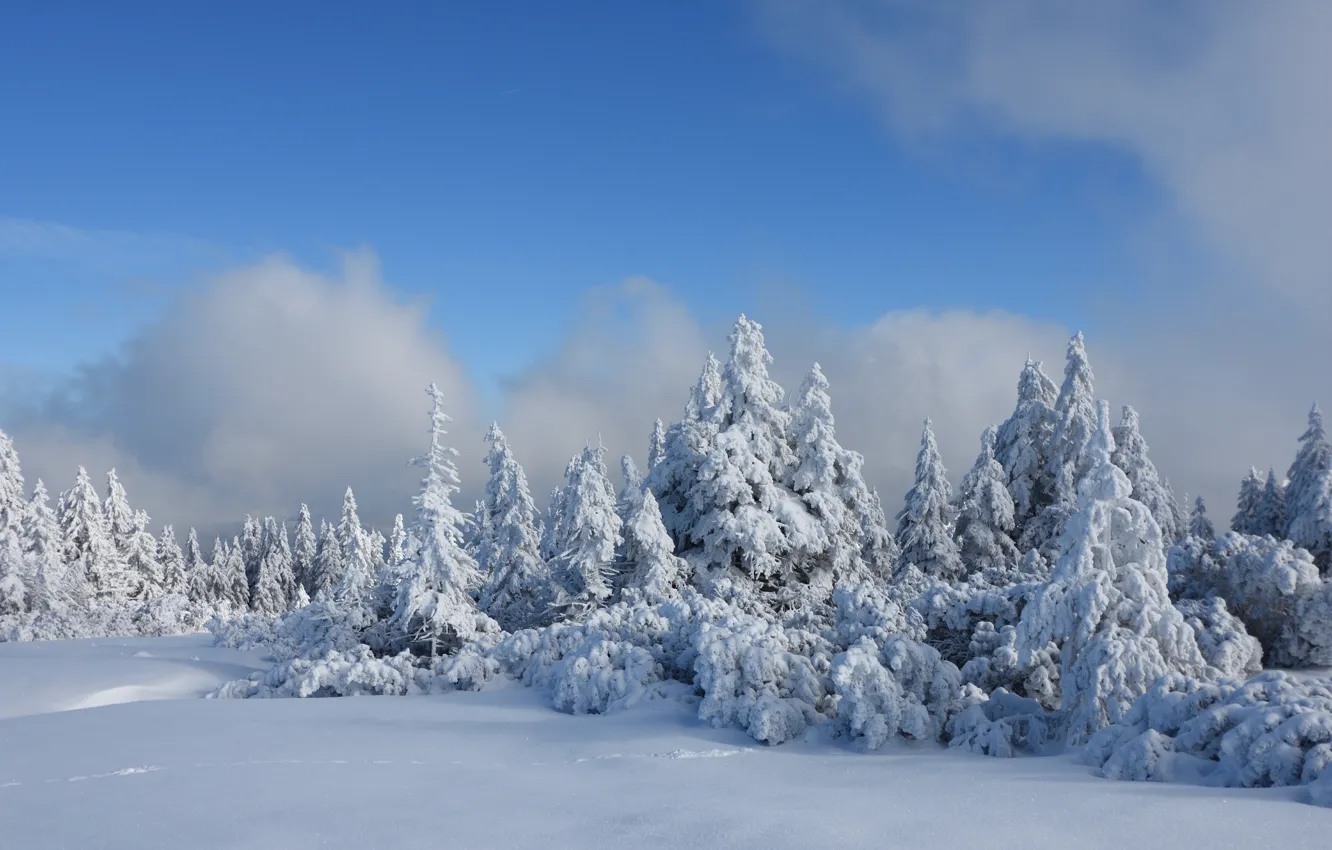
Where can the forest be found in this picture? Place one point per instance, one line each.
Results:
(1061, 598)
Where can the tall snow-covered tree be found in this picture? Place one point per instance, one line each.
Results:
(1106, 604)
(359, 572)
(591, 536)
(656, 445)
(685, 445)
(517, 589)
(14, 590)
(88, 546)
(1270, 512)
(1022, 444)
(198, 572)
(1074, 422)
(633, 483)
(304, 549)
(172, 561)
(650, 568)
(435, 610)
(11, 485)
(1245, 520)
(120, 524)
(252, 549)
(1199, 525)
(397, 545)
(267, 595)
(54, 588)
(986, 514)
(1148, 485)
(924, 525)
(1309, 493)
(232, 577)
(141, 558)
(328, 570)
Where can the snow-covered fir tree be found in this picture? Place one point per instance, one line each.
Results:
(656, 445)
(552, 532)
(1199, 525)
(1106, 604)
(141, 558)
(172, 561)
(1245, 520)
(1074, 422)
(11, 485)
(517, 589)
(119, 515)
(232, 575)
(985, 516)
(925, 523)
(397, 542)
(435, 611)
(1022, 444)
(200, 583)
(632, 486)
(267, 596)
(14, 587)
(649, 567)
(1270, 512)
(590, 537)
(304, 549)
(328, 569)
(1148, 485)
(55, 587)
(1309, 493)
(87, 544)
(252, 549)
(685, 445)
(358, 560)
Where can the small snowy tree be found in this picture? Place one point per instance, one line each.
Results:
(656, 445)
(924, 525)
(650, 568)
(397, 544)
(1106, 604)
(358, 560)
(1270, 512)
(1148, 485)
(328, 568)
(1245, 520)
(591, 536)
(517, 584)
(985, 515)
(172, 561)
(1022, 444)
(1199, 525)
(1309, 493)
(304, 549)
(434, 608)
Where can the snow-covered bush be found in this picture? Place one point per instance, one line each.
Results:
(1004, 725)
(1275, 729)
(355, 672)
(602, 675)
(995, 665)
(900, 688)
(1224, 642)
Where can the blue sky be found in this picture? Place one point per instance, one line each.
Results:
(503, 158)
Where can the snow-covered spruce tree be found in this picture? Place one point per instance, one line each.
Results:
(141, 557)
(1022, 444)
(685, 445)
(591, 535)
(656, 445)
(1148, 485)
(517, 584)
(1074, 422)
(633, 484)
(200, 583)
(1106, 604)
(14, 586)
(304, 549)
(1270, 512)
(851, 542)
(328, 568)
(1309, 493)
(358, 560)
(1199, 525)
(53, 588)
(986, 515)
(435, 611)
(88, 546)
(232, 577)
(397, 542)
(1245, 520)
(267, 596)
(649, 568)
(119, 515)
(924, 525)
(11, 486)
(172, 561)
(252, 549)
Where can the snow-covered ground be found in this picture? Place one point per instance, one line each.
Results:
(105, 744)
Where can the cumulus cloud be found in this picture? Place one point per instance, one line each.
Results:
(1224, 101)
(268, 386)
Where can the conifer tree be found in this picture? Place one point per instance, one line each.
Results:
(304, 549)
(986, 515)
(685, 445)
(656, 445)
(328, 569)
(553, 532)
(252, 550)
(14, 591)
(924, 525)
(233, 577)
(397, 546)
(1245, 520)
(1022, 444)
(591, 537)
(1148, 485)
(88, 546)
(141, 558)
(650, 568)
(11, 486)
(358, 561)
(199, 581)
(53, 589)
(120, 525)
(1309, 493)
(1199, 525)
(434, 610)
(1106, 604)
(517, 584)
(172, 561)
(267, 596)
(1270, 512)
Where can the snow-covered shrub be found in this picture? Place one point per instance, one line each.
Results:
(767, 680)
(602, 675)
(1306, 636)
(1004, 725)
(168, 614)
(902, 688)
(865, 610)
(1275, 729)
(356, 672)
(995, 664)
(1221, 637)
